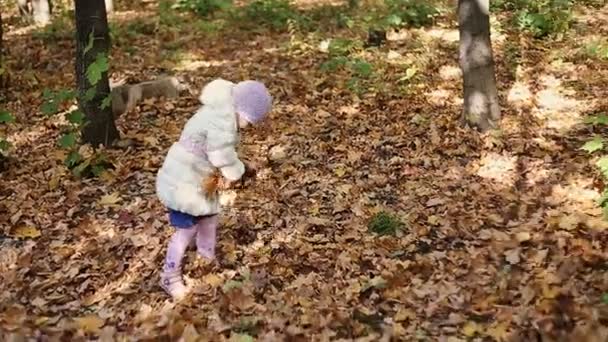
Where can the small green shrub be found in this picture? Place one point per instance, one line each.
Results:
(597, 49)
(273, 14)
(384, 223)
(597, 144)
(544, 18)
(203, 8)
(416, 13)
(5, 118)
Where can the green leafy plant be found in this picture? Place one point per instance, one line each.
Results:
(5, 118)
(597, 49)
(596, 144)
(544, 17)
(360, 71)
(414, 13)
(54, 102)
(272, 14)
(384, 223)
(202, 8)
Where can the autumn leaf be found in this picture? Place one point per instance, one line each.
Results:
(470, 329)
(110, 199)
(89, 323)
(26, 232)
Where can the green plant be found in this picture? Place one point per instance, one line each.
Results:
(415, 13)
(596, 144)
(167, 17)
(360, 70)
(55, 101)
(5, 118)
(273, 14)
(384, 223)
(544, 17)
(203, 8)
(597, 49)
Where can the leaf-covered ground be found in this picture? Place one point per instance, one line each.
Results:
(502, 237)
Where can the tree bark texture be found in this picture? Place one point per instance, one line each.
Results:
(2, 71)
(481, 107)
(91, 18)
(40, 10)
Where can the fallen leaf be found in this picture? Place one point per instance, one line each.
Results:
(523, 237)
(471, 328)
(90, 323)
(110, 199)
(213, 279)
(190, 334)
(434, 202)
(512, 256)
(23, 232)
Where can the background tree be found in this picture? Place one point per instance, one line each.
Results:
(481, 108)
(40, 10)
(92, 46)
(1, 54)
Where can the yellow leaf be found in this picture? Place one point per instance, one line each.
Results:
(107, 176)
(54, 182)
(499, 331)
(549, 292)
(190, 334)
(90, 323)
(470, 329)
(152, 141)
(404, 314)
(110, 199)
(41, 320)
(26, 232)
(213, 280)
(339, 171)
(434, 220)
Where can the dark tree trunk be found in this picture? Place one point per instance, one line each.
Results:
(91, 18)
(2, 71)
(481, 108)
(39, 10)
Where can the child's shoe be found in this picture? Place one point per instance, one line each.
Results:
(173, 284)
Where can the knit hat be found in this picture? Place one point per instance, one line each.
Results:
(252, 100)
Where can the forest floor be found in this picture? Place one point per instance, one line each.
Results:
(502, 237)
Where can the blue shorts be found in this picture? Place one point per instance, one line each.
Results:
(182, 220)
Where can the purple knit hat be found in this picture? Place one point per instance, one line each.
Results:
(252, 100)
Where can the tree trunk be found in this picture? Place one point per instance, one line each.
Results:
(481, 108)
(109, 6)
(91, 18)
(42, 10)
(2, 71)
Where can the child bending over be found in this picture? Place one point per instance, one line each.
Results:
(207, 144)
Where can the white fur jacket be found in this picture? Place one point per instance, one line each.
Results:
(208, 141)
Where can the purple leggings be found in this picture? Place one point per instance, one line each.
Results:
(205, 231)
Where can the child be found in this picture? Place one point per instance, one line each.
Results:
(207, 143)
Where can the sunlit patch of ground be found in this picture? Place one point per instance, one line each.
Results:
(557, 105)
(499, 168)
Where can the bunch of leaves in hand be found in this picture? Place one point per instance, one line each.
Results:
(215, 182)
